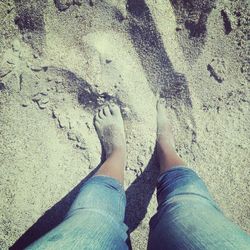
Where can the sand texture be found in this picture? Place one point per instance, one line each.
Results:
(60, 60)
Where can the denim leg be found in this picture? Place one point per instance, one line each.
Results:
(94, 221)
(188, 218)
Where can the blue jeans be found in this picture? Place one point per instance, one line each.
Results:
(186, 218)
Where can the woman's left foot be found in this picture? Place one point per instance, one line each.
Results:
(110, 129)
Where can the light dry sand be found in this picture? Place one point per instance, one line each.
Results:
(61, 60)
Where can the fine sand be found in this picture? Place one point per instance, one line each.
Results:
(60, 60)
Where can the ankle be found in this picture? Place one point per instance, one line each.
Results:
(117, 153)
(165, 145)
(168, 158)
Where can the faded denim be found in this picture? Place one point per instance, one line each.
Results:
(94, 221)
(186, 218)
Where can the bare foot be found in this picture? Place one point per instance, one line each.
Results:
(109, 126)
(164, 128)
(166, 152)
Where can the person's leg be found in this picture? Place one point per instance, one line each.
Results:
(110, 129)
(187, 217)
(166, 153)
(96, 218)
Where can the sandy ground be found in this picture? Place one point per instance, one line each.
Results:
(61, 60)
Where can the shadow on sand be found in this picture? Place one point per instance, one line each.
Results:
(139, 194)
(149, 46)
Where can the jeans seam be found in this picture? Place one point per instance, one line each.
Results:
(110, 178)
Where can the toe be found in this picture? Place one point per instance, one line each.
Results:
(101, 114)
(161, 104)
(97, 123)
(96, 120)
(114, 109)
(106, 111)
(96, 117)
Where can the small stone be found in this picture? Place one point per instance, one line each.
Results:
(228, 20)
(16, 45)
(70, 125)
(2, 86)
(63, 5)
(87, 125)
(5, 70)
(49, 79)
(10, 9)
(41, 99)
(35, 55)
(20, 55)
(54, 113)
(71, 136)
(151, 148)
(58, 81)
(43, 103)
(108, 61)
(80, 139)
(36, 68)
(81, 145)
(62, 122)
(120, 15)
(10, 61)
(178, 28)
(217, 69)
(140, 160)
(37, 97)
(28, 64)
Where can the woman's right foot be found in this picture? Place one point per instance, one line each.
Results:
(164, 128)
(167, 155)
